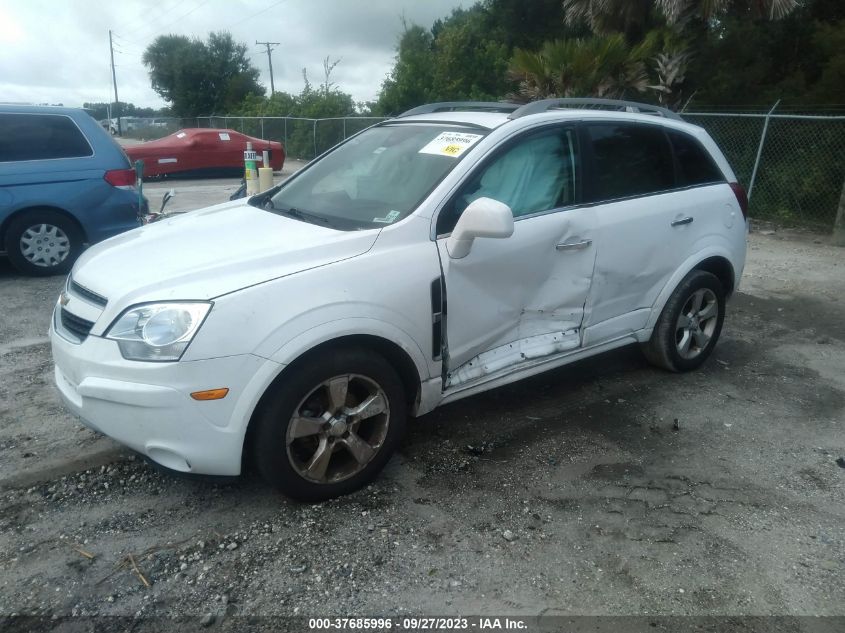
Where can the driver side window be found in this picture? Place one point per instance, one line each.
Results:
(538, 172)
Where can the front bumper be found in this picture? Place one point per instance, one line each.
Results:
(148, 407)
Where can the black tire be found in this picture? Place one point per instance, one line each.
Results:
(59, 227)
(664, 347)
(279, 462)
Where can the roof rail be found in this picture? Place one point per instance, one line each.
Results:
(537, 107)
(450, 106)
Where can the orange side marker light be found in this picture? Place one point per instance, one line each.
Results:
(210, 394)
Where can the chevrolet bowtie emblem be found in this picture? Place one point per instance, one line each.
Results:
(64, 299)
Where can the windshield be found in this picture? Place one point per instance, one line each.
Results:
(377, 178)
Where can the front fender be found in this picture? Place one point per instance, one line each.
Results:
(306, 340)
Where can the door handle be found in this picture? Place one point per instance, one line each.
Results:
(573, 246)
(681, 221)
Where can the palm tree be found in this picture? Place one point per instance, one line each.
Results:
(600, 66)
(640, 20)
(676, 10)
(606, 16)
(611, 16)
(671, 67)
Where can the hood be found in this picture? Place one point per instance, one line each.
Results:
(207, 253)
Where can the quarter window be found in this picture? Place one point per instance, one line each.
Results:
(537, 173)
(696, 166)
(630, 160)
(40, 137)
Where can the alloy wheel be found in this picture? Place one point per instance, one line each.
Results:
(696, 323)
(338, 428)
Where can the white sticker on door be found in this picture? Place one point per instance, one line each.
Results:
(450, 144)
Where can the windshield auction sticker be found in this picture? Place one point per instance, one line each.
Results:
(450, 144)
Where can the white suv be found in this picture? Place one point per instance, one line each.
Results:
(448, 251)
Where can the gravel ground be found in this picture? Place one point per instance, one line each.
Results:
(604, 488)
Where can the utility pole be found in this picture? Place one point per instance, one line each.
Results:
(270, 61)
(114, 81)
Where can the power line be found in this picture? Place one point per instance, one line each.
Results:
(144, 14)
(249, 17)
(164, 26)
(269, 46)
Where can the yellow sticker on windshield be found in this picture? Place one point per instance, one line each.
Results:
(450, 144)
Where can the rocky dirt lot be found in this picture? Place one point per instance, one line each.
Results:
(571, 493)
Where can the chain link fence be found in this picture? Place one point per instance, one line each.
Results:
(793, 166)
(303, 138)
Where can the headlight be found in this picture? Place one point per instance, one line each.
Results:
(157, 331)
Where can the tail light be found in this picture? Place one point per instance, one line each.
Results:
(741, 197)
(120, 178)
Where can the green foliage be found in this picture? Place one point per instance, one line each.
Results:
(603, 66)
(799, 60)
(201, 78)
(469, 63)
(466, 56)
(323, 102)
(720, 51)
(100, 110)
(412, 79)
(723, 52)
(632, 18)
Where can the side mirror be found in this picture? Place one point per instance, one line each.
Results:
(484, 217)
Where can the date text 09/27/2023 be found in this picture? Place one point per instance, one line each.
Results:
(418, 624)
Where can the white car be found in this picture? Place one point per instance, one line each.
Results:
(448, 251)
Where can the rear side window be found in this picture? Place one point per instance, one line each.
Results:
(630, 160)
(40, 137)
(695, 164)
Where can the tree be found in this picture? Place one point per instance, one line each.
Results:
(411, 82)
(470, 57)
(632, 17)
(635, 17)
(100, 110)
(600, 66)
(799, 59)
(199, 78)
(302, 137)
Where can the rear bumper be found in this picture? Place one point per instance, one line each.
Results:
(148, 407)
(117, 214)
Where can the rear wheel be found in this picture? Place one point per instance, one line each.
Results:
(690, 324)
(43, 243)
(331, 426)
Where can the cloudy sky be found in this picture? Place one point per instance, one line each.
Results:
(57, 51)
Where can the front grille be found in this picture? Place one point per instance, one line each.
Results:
(88, 295)
(77, 326)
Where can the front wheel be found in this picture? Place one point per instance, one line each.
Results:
(690, 324)
(331, 426)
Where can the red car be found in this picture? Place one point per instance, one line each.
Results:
(202, 152)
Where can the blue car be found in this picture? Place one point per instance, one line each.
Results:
(64, 184)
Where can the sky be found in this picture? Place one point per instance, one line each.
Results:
(57, 51)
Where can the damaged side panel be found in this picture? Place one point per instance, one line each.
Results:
(517, 299)
(512, 355)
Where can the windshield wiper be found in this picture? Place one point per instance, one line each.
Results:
(305, 216)
(263, 200)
